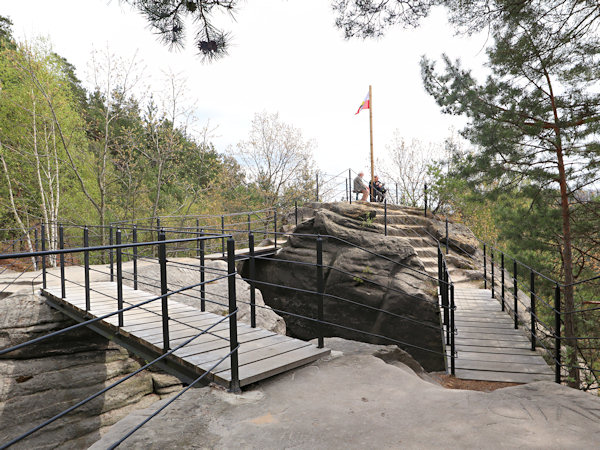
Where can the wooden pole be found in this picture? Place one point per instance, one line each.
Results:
(371, 127)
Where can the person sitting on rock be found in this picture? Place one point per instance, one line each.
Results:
(359, 187)
(378, 190)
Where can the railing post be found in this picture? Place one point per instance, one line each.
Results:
(442, 286)
(447, 303)
(492, 270)
(223, 238)
(385, 216)
(86, 267)
(320, 290)
(162, 259)
(249, 223)
(557, 343)
(252, 274)
(346, 190)
(202, 274)
(515, 294)
(532, 308)
(61, 245)
(484, 267)
(233, 338)
(502, 276)
(425, 195)
(446, 235)
(275, 227)
(43, 233)
(135, 252)
(119, 278)
(110, 253)
(452, 344)
(439, 268)
(350, 186)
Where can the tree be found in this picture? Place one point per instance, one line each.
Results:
(407, 167)
(167, 17)
(109, 113)
(370, 18)
(36, 107)
(536, 117)
(277, 160)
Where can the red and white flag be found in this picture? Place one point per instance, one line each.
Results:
(366, 104)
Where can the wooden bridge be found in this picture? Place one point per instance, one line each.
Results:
(489, 347)
(262, 354)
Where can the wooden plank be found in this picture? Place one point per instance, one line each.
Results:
(503, 366)
(483, 349)
(155, 321)
(265, 352)
(490, 328)
(209, 356)
(493, 334)
(199, 346)
(250, 373)
(484, 322)
(533, 358)
(179, 333)
(492, 343)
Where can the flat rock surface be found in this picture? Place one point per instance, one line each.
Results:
(356, 400)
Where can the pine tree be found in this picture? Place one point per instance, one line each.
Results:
(537, 116)
(168, 17)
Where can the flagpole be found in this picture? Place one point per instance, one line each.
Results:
(371, 126)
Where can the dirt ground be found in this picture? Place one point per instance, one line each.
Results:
(451, 382)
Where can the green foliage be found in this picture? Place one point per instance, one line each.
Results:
(367, 222)
(95, 156)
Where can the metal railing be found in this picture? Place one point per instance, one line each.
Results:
(537, 307)
(121, 306)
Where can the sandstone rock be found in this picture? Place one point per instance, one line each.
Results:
(379, 288)
(41, 380)
(460, 237)
(165, 384)
(459, 262)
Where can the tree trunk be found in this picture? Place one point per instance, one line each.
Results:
(569, 318)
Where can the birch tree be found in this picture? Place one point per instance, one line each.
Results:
(35, 98)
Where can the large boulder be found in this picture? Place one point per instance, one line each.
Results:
(375, 286)
(41, 380)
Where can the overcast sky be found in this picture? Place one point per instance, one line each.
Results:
(286, 57)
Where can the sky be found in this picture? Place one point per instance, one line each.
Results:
(286, 57)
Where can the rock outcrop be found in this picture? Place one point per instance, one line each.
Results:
(372, 283)
(41, 380)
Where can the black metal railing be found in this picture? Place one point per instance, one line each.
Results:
(538, 306)
(121, 306)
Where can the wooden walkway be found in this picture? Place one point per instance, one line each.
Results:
(262, 353)
(488, 346)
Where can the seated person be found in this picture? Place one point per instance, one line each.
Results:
(378, 190)
(359, 187)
